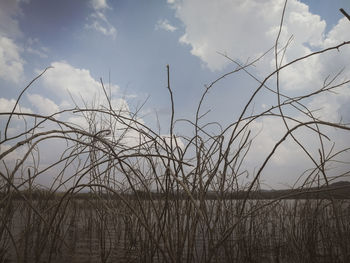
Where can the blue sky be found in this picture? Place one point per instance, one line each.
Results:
(129, 43)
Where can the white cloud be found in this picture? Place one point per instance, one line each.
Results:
(244, 29)
(247, 28)
(99, 21)
(99, 15)
(37, 52)
(107, 29)
(225, 26)
(289, 160)
(45, 106)
(266, 133)
(11, 63)
(99, 4)
(176, 141)
(7, 106)
(16, 125)
(10, 32)
(13, 156)
(338, 34)
(164, 24)
(58, 81)
(64, 78)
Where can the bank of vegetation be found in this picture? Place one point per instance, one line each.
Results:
(338, 190)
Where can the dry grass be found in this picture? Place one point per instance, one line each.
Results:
(123, 220)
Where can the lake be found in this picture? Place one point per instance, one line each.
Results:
(175, 231)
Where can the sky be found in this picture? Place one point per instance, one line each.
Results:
(129, 43)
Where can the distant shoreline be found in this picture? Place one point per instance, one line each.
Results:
(339, 190)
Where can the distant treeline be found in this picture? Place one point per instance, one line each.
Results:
(339, 190)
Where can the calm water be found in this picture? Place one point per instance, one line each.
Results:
(111, 232)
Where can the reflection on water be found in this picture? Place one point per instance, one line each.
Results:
(175, 231)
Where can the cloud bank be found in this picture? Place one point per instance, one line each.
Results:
(246, 29)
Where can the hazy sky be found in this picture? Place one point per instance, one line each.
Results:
(129, 44)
